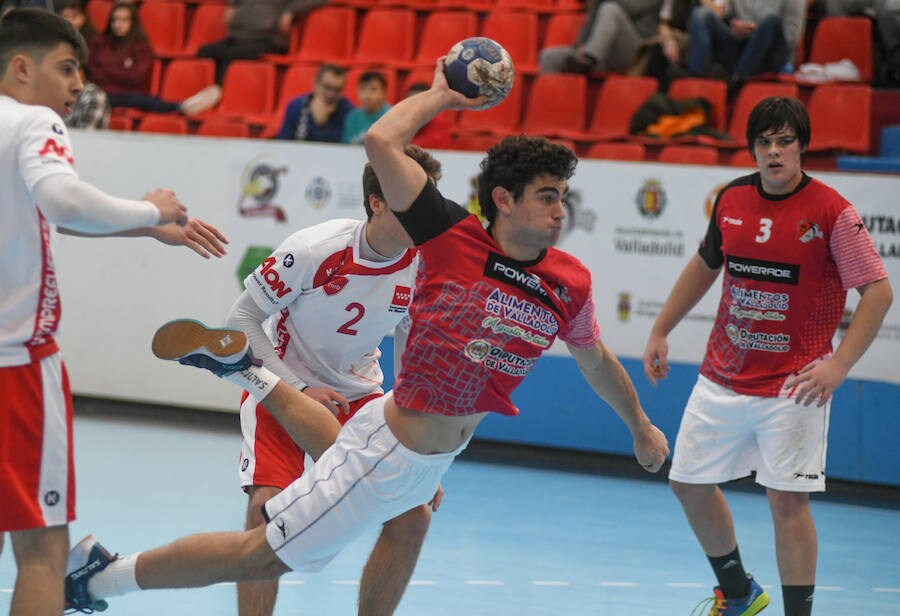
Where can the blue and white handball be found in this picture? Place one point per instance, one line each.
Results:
(479, 66)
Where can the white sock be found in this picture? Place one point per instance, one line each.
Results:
(117, 579)
(257, 380)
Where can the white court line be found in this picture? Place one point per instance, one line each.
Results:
(484, 582)
(685, 585)
(5, 589)
(345, 582)
(829, 588)
(607, 583)
(292, 582)
(549, 583)
(882, 589)
(422, 583)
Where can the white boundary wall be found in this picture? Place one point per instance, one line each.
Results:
(634, 225)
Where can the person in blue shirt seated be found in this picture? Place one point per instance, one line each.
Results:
(319, 115)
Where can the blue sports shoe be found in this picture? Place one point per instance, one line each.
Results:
(189, 342)
(755, 602)
(86, 559)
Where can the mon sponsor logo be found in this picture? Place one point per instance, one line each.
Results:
(273, 279)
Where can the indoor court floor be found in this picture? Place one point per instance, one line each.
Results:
(508, 540)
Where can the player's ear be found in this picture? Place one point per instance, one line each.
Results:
(502, 199)
(376, 203)
(21, 68)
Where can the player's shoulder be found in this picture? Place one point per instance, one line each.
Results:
(565, 262)
(30, 117)
(329, 234)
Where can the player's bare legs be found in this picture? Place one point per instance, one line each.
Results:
(709, 516)
(257, 598)
(796, 544)
(392, 562)
(40, 555)
(209, 558)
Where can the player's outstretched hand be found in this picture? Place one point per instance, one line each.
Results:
(816, 381)
(199, 236)
(329, 398)
(656, 365)
(455, 99)
(170, 208)
(651, 448)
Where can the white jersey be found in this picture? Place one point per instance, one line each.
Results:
(34, 144)
(332, 308)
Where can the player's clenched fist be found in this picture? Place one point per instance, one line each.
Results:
(170, 208)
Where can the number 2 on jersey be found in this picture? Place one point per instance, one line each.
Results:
(347, 328)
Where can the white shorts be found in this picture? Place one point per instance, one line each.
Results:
(365, 479)
(725, 435)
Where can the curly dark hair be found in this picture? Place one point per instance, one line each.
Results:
(371, 185)
(776, 113)
(515, 162)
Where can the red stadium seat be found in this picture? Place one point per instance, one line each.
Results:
(562, 29)
(747, 99)
(165, 25)
(207, 26)
(715, 91)
(328, 35)
(162, 123)
(498, 121)
(840, 118)
(440, 31)
(386, 36)
(556, 106)
(689, 154)
(184, 78)
(613, 150)
(619, 97)
(517, 31)
(221, 127)
(98, 12)
(836, 38)
(537, 6)
(248, 91)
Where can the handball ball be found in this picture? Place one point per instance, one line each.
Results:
(479, 66)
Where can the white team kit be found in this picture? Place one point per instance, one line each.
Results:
(330, 310)
(34, 145)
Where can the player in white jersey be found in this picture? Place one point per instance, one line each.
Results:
(790, 248)
(327, 296)
(39, 189)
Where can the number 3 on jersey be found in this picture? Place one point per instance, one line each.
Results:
(765, 230)
(357, 310)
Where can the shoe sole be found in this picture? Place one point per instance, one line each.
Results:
(177, 339)
(759, 605)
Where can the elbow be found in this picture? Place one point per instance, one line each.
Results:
(375, 141)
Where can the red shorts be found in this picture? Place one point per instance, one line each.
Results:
(269, 457)
(36, 461)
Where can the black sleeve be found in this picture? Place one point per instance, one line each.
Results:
(711, 246)
(430, 215)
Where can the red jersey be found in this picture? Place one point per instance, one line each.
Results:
(480, 319)
(789, 261)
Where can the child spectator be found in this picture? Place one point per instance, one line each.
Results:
(373, 105)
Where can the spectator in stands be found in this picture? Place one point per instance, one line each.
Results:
(319, 115)
(255, 27)
(737, 39)
(667, 52)
(887, 20)
(373, 105)
(92, 109)
(609, 40)
(121, 62)
(436, 134)
(73, 12)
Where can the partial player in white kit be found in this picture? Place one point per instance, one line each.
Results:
(39, 189)
(488, 302)
(327, 297)
(791, 248)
